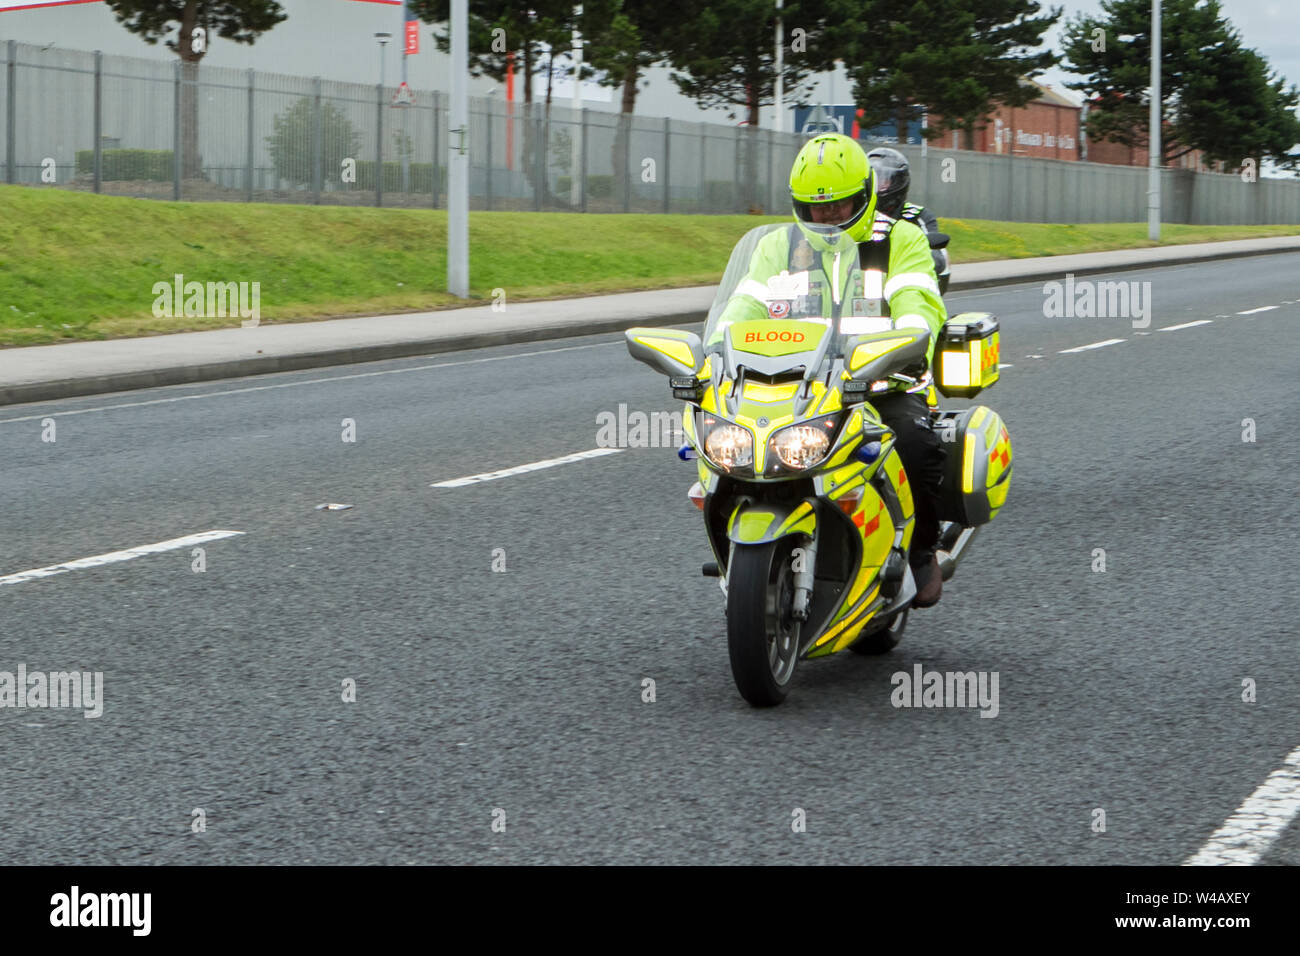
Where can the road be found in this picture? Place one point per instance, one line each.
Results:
(517, 695)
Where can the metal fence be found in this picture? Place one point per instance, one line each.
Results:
(145, 128)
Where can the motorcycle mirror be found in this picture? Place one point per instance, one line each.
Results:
(673, 352)
(939, 239)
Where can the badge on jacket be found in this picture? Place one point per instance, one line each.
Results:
(802, 257)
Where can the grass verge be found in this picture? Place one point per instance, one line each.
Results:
(76, 267)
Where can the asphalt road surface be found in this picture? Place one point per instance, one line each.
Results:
(516, 696)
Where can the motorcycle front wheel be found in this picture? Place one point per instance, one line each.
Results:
(762, 636)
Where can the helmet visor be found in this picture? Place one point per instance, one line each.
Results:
(839, 215)
(892, 180)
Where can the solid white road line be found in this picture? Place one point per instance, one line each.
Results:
(1005, 366)
(1248, 833)
(310, 381)
(1185, 325)
(1262, 308)
(115, 556)
(1094, 345)
(524, 469)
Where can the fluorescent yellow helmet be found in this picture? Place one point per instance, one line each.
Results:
(832, 168)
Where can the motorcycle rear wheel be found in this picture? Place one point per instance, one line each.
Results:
(762, 637)
(884, 640)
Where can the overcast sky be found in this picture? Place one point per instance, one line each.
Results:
(1269, 26)
(334, 39)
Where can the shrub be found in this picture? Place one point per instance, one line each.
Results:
(128, 164)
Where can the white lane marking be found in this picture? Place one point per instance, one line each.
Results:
(1185, 325)
(114, 556)
(1262, 308)
(524, 469)
(1000, 365)
(1094, 345)
(312, 381)
(1247, 834)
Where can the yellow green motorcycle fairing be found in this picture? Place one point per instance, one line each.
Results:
(807, 506)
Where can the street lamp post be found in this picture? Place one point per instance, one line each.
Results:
(575, 184)
(458, 161)
(405, 142)
(779, 62)
(383, 39)
(1154, 148)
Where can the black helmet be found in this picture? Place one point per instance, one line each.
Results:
(892, 179)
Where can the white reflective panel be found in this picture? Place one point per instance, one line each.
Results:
(873, 284)
(911, 322)
(862, 324)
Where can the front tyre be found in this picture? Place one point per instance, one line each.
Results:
(762, 637)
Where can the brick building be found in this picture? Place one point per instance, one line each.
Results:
(1047, 128)
(1052, 127)
(1117, 154)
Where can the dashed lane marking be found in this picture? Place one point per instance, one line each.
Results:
(1093, 345)
(113, 557)
(1247, 834)
(524, 469)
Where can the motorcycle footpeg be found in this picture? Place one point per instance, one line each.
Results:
(948, 537)
(711, 570)
(892, 572)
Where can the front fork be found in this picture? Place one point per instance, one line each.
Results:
(805, 566)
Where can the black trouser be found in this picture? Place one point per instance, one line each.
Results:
(908, 416)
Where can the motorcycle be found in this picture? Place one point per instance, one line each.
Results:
(806, 504)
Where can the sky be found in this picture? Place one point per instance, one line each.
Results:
(1270, 27)
(335, 39)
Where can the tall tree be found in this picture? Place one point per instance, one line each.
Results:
(194, 23)
(523, 36)
(960, 59)
(505, 34)
(624, 38)
(1217, 96)
(723, 52)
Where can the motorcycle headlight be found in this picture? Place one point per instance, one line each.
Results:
(801, 446)
(729, 446)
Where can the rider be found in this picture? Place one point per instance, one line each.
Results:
(892, 181)
(832, 184)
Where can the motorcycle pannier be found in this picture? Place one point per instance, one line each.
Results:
(977, 467)
(966, 355)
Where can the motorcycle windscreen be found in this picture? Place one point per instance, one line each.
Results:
(783, 272)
